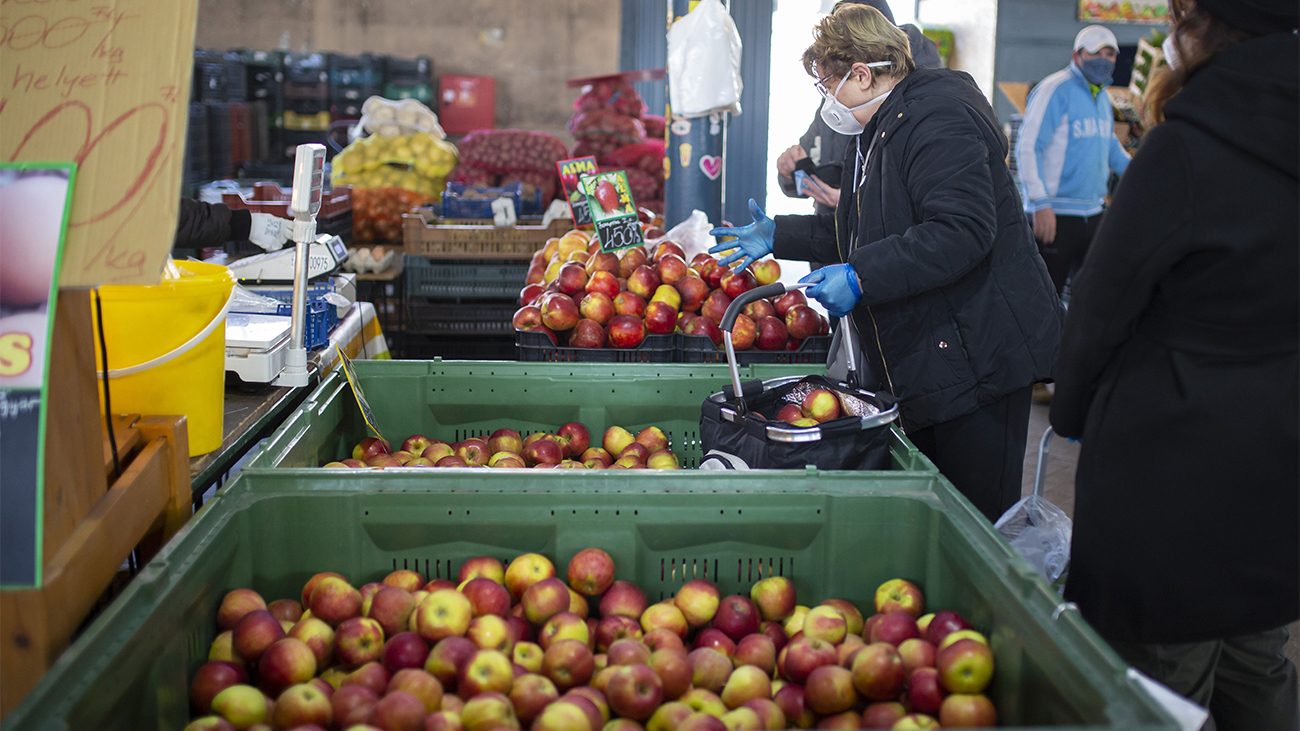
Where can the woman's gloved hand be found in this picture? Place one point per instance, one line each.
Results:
(837, 288)
(754, 240)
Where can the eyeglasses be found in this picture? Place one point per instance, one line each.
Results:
(820, 86)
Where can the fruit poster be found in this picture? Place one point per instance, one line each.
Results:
(1140, 12)
(573, 191)
(34, 206)
(613, 210)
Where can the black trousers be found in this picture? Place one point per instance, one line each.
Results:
(1247, 682)
(1065, 254)
(982, 453)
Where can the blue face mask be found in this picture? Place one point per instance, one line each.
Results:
(1097, 70)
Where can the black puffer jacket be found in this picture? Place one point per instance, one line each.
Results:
(200, 225)
(957, 308)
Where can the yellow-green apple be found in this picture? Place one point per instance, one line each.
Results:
(506, 460)
(612, 629)
(286, 662)
(530, 694)
(793, 703)
(448, 658)
(825, 623)
(804, 422)
(716, 639)
(444, 613)
(562, 716)
(774, 597)
(210, 679)
(703, 700)
(563, 626)
(301, 705)
(710, 669)
(403, 457)
(794, 623)
(667, 716)
(662, 639)
(924, 691)
(399, 711)
(241, 705)
(391, 607)
(285, 610)
(738, 283)
(369, 447)
(485, 566)
(420, 684)
(596, 454)
(967, 710)
(623, 724)
(766, 271)
(899, 595)
(746, 683)
(490, 632)
(643, 282)
(487, 671)
(894, 628)
(334, 676)
(255, 631)
(486, 596)
(371, 675)
(878, 672)
(663, 459)
(757, 650)
(235, 604)
(544, 599)
(829, 690)
(774, 632)
(852, 617)
(358, 641)
(568, 663)
(961, 634)
(965, 666)
(668, 295)
(591, 570)
(664, 615)
(527, 655)
(768, 712)
(941, 624)
(404, 650)
(210, 723)
(675, 671)
(635, 691)
(437, 451)
(617, 439)
(353, 704)
(624, 599)
(883, 714)
(628, 651)
(788, 300)
(821, 404)
(416, 444)
(806, 654)
(914, 721)
(737, 616)
(916, 653)
(334, 600)
(404, 579)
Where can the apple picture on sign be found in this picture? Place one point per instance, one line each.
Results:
(612, 210)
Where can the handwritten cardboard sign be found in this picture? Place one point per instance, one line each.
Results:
(105, 84)
(573, 192)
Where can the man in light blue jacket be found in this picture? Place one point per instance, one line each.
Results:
(1066, 151)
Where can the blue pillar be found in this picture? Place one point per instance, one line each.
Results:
(695, 164)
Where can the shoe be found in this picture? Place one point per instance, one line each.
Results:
(1042, 394)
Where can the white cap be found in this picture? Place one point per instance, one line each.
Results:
(1094, 38)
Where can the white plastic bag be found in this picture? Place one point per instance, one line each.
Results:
(704, 62)
(1040, 532)
(692, 235)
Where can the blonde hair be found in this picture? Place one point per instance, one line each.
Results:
(857, 34)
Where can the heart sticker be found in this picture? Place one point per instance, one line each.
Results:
(711, 165)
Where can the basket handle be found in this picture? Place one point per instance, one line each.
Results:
(729, 321)
(180, 350)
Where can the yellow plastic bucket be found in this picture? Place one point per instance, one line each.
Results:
(167, 348)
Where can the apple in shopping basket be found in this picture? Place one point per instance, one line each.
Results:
(623, 598)
(235, 604)
(210, 679)
(821, 405)
(966, 666)
(737, 616)
(370, 447)
(774, 596)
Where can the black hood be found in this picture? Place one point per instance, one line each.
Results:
(928, 89)
(1248, 96)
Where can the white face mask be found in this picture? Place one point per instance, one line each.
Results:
(1171, 53)
(839, 117)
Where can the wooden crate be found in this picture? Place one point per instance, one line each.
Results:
(92, 522)
(424, 235)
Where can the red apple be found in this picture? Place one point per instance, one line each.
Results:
(365, 449)
(643, 282)
(743, 333)
(236, 604)
(559, 311)
(822, 405)
(829, 690)
(578, 436)
(693, 291)
(286, 662)
(404, 650)
(626, 331)
(635, 691)
(894, 628)
(788, 300)
(630, 260)
(883, 714)
(706, 327)
(757, 650)
(774, 632)
(738, 283)
(942, 624)
(916, 653)
(597, 307)
(660, 318)
(924, 693)
(668, 247)
(391, 607)
(568, 663)
(715, 306)
(675, 671)
(766, 271)
(716, 639)
(353, 705)
(792, 701)
(878, 672)
(623, 598)
(591, 570)
(758, 309)
(587, 334)
(210, 679)
(254, 633)
(967, 711)
(711, 669)
(737, 616)
(448, 658)
(573, 278)
(358, 640)
(301, 706)
(671, 268)
(544, 599)
(804, 655)
(399, 711)
(802, 322)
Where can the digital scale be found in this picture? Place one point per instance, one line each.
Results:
(256, 345)
(324, 257)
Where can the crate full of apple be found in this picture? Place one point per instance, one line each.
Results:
(569, 447)
(581, 297)
(519, 647)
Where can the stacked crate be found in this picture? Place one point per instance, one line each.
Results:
(265, 84)
(306, 101)
(353, 79)
(460, 308)
(409, 79)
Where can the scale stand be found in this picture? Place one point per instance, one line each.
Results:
(308, 179)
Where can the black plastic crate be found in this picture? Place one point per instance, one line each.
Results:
(303, 91)
(352, 93)
(236, 78)
(196, 146)
(428, 347)
(209, 76)
(310, 68)
(364, 70)
(700, 349)
(408, 71)
(418, 92)
(536, 346)
(346, 110)
(463, 278)
(466, 317)
(220, 149)
(259, 129)
(291, 138)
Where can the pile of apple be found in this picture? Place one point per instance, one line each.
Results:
(584, 298)
(518, 648)
(568, 448)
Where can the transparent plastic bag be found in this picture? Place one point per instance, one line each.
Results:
(1040, 532)
(704, 62)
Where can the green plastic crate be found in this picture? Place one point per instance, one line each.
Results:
(833, 534)
(454, 400)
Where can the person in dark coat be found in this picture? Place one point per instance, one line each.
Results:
(1179, 373)
(824, 148)
(200, 225)
(955, 311)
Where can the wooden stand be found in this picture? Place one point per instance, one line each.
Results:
(92, 521)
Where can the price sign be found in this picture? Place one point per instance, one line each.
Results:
(355, 382)
(613, 210)
(573, 191)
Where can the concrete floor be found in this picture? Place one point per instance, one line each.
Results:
(1062, 458)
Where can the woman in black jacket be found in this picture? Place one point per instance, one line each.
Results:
(1179, 372)
(953, 305)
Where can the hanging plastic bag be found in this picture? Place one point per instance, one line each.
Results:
(1040, 532)
(692, 235)
(704, 62)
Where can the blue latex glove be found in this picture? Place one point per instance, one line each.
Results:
(836, 288)
(754, 240)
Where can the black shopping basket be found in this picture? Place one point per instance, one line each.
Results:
(742, 431)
